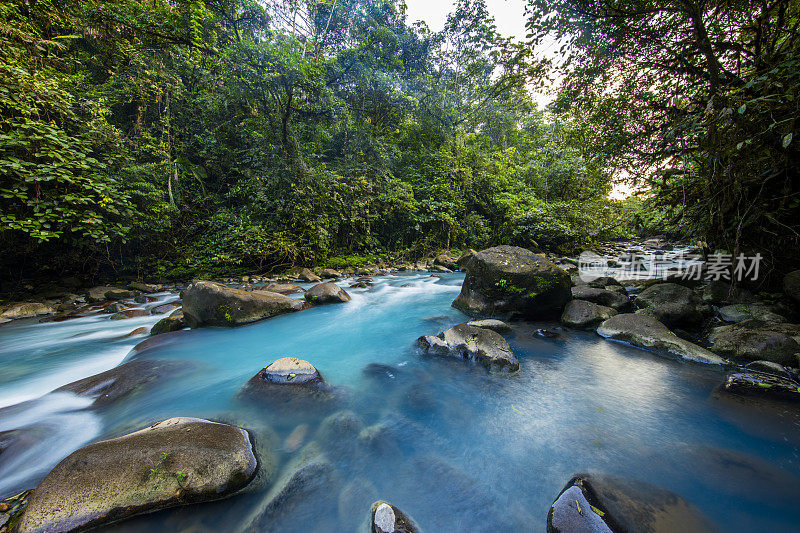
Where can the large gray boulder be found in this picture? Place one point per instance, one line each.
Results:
(386, 518)
(147, 288)
(743, 343)
(206, 303)
(600, 503)
(288, 380)
(282, 288)
(465, 258)
(491, 323)
(508, 280)
(791, 285)
(175, 462)
(647, 332)
(585, 315)
(482, 345)
(326, 293)
(672, 304)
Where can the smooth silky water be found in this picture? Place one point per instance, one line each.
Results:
(479, 452)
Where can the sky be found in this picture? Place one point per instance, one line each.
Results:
(509, 14)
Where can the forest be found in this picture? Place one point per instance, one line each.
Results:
(178, 138)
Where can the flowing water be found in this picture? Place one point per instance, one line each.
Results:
(469, 451)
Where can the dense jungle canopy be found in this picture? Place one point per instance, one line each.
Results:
(176, 138)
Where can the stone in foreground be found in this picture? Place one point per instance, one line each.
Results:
(585, 315)
(26, 310)
(647, 332)
(386, 518)
(600, 503)
(326, 293)
(672, 304)
(485, 346)
(206, 303)
(175, 462)
(744, 343)
(507, 280)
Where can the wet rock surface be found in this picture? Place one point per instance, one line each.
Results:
(206, 303)
(761, 384)
(174, 462)
(585, 315)
(386, 518)
(751, 342)
(602, 503)
(617, 301)
(507, 280)
(112, 385)
(326, 293)
(672, 304)
(491, 323)
(484, 346)
(647, 332)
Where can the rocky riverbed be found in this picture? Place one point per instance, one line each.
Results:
(517, 396)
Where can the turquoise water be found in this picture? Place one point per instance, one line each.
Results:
(474, 451)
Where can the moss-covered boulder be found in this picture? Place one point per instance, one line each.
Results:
(673, 304)
(206, 303)
(175, 462)
(763, 385)
(748, 342)
(507, 280)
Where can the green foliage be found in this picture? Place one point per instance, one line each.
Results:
(184, 139)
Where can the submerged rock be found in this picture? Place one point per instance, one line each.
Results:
(129, 313)
(490, 323)
(514, 281)
(585, 315)
(672, 304)
(308, 487)
(601, 503)
(109, 386)
(326, 293)
(175, 462)
(386, 518)
(164, 308)
(485, 346)
(206, 303)
(647, 332)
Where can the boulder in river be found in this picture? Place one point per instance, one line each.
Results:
(329, 273)
(672, 304)
(464, 259)
(647, 332)
(386, 518)
(764, 385)
(109, 386)
(618, 301)
(585, 315)
(118, 294)
(514, 281)
(740, 312)
(743, 343)
(600, 503)
(306, 274)
(287, 380)
(129, 313)
(485, 346)
(168, 324)
(175, 462)
(791, 285)
(147, 288)
(326, 293)
(447, 261)
(26, 310)
(283, 288)
(206, 303)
